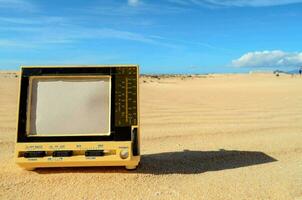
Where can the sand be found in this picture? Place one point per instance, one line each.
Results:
(203, 137)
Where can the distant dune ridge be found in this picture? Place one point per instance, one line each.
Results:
(9, 74)
(215, 136)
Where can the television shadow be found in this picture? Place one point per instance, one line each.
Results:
(195, 162)
(183, 162)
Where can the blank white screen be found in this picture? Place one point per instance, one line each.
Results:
(70, 106)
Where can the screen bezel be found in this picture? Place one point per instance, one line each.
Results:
(29, 104)
(118, 133)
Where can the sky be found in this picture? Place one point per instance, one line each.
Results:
(162, 36)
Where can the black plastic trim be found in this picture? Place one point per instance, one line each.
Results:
(34, 154)
(66, 153)
(92, 153)
(135, 148)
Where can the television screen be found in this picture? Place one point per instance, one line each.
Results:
(69, 106)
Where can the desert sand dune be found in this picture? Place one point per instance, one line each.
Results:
(203, 137)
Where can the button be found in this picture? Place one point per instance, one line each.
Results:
(34, 154)
(62, 153)
(124, 154)
(94, 153)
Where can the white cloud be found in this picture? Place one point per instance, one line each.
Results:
(269, 59)
(181, 2)
(133, 8)
(10, 43)
(41, 20)
(133, 2)
(17, 5)
(238, 3)
(253, 3)
(59, 31)
(117, 34)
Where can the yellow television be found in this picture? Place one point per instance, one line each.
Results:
(73, 116)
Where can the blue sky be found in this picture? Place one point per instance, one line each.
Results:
(167, 36)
